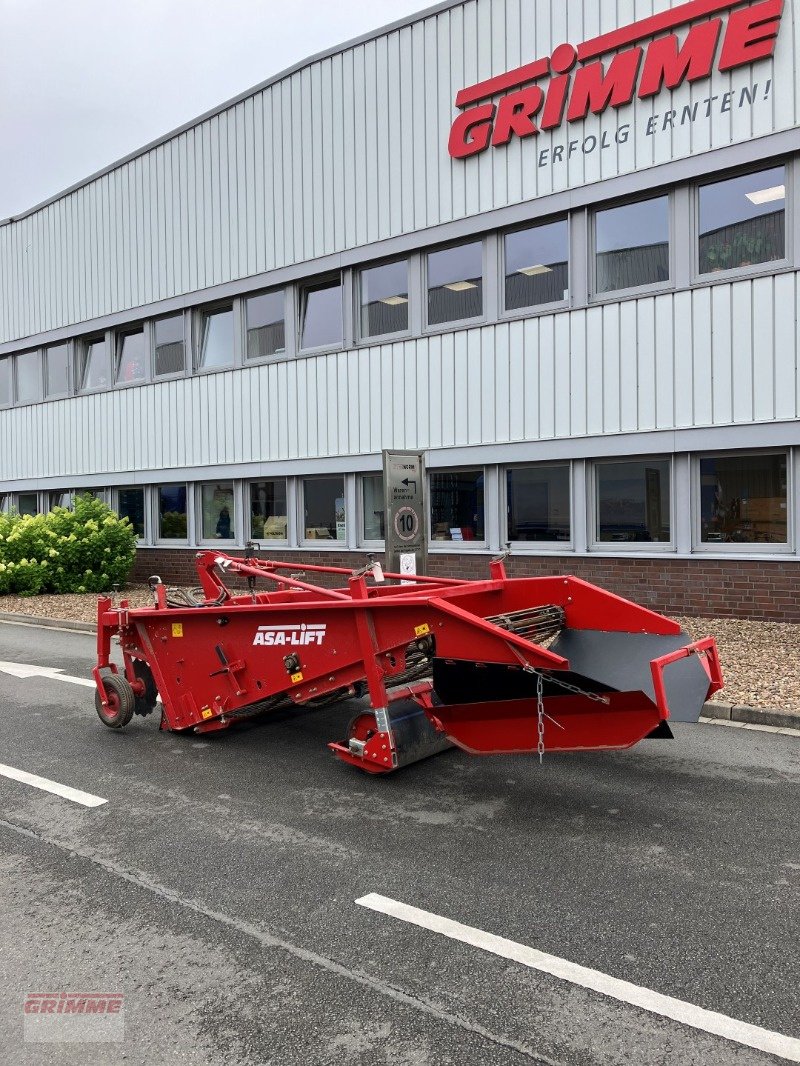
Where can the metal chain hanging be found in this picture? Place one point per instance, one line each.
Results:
(540, 714)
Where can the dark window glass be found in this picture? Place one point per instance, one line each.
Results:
(538, 503)
(130, 505)
(6, 392)
(372, 496)
(455, 283)
(268, 510)
(266, 331)
(384, 299)
(130, 356)
(216, 341)
(632, 245)
(29, 377)
(537, 265)
(323, 500)
(218, 510)
(95, 369)
(743, 500)
(60, 499)
(321, 314)
(57, 369)
(172, 523)
(457, 505)
(633, 501)
(169, 346)
(743, 221)
(5, 502)
(28, 503)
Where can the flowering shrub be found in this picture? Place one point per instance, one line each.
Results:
(87, 549)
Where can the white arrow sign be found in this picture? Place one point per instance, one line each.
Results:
(28, 670)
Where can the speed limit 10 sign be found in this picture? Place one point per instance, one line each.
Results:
(404, 502)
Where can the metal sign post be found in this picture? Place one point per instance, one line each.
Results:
(405, 512)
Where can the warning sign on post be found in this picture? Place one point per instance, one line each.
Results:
(404, 498)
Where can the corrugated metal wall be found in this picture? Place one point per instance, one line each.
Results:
(348, 150)
(684, 359)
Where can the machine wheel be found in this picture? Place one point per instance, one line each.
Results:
(121, 702)
(145, 704)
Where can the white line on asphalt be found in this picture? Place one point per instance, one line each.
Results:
(55, 674)
(86, 799)
(709, 1021)
(752, 725)
(54, 629)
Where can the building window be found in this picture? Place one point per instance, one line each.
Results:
(373, 526)
(131, 360)
(169, 346)
(130, 505)
(538, 503)
(60, 499)
(632, 245)
(537, 265)
(172, 514)
(5, 502)
(384, 299)
(268, 512)
(321, 314)
(743, 221)
(6, 382)
(455, 283)
(217, 511)
(94, 365)
(29, 377)
(266, 329)
(457, 505)
(216, 338)
(324, 509)
(633, 501)
(743, 500)
(57, 369)
(27, 503)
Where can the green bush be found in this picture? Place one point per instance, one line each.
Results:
(87, 549)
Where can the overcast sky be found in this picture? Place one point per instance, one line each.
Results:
(83, 82)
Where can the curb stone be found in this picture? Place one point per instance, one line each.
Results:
(727, 712)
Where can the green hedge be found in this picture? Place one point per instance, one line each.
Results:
(87, 549)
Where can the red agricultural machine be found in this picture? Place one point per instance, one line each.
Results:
(501, 665)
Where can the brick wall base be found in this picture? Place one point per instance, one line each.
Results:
(766, 591)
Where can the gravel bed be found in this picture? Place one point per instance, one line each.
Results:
(760, 660)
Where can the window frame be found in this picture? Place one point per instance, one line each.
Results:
(381, 338)
(148, 528)
(739, 548)
(266, 542)
(653, 287)
(15, 378)
(199, 313)
(534, 309)
(222, 542)
(70, 376)
(187, 347)
(609, 547)
(361, 539)
(276, 357)
(119, 335)
(82, 348)
(452, 325)
(450, 546)
(175, 542)
(319, 281)
(555, 546)
(334, 544)
(730, 274)
(10, 356)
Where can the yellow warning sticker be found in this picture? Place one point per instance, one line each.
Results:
(297, 678)
(177, 629)
(423, 630)
(207, 712)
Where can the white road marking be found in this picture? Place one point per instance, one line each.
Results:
(86, 799)
(784, 731)
(54, 629)
(27, 670)
(709, 1021)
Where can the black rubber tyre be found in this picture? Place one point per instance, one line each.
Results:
(121, 702)
(145, 704)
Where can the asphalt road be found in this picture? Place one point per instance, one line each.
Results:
(216, 889)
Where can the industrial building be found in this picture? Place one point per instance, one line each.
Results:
(554, 246)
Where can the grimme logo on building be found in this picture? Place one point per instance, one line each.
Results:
(575, 82)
